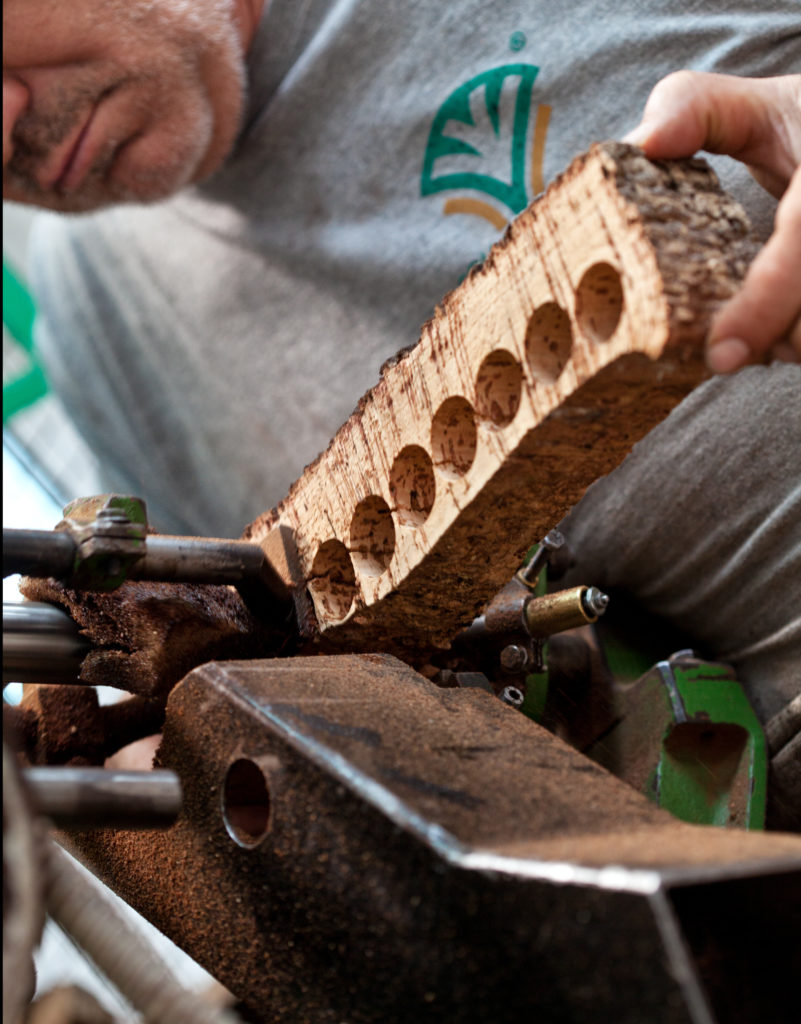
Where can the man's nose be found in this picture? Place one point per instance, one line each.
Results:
(15, 103)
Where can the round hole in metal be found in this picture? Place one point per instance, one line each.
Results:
(246, 803)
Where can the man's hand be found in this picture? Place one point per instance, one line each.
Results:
(756, 121)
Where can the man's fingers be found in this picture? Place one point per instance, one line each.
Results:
(765, 314)
(755, 120)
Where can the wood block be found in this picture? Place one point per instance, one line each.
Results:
(580, 331)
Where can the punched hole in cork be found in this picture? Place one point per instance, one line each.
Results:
(372, 536)
(498, 385)
(412, 485)
(454, 437)
(599, 301)
(549, 341)
(332, 582)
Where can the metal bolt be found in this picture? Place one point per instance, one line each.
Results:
(595, 601)
(514, 658)
(112, 515)
(512, 696)
(552, 541)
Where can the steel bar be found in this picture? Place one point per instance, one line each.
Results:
(234, 562)
(119, 949)
(197, 560)
(167, 559)
(38, 553)
(41, 644)
(102, 798)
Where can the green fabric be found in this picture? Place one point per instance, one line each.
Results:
(19, 313)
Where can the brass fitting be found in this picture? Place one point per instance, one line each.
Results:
(564, 609)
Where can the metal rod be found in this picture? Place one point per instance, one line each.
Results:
(167, 559)
(552, 541)
(41, 644)
(198, 560)
(102, 798)
(119, 949)
(38, 553)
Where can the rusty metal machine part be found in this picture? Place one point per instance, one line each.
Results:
(103, 798)
(365, 846)
(41, 644)
(358, 844)
(510, 633)
(118, 949)
(165, 558)
(23, 906)
(686, 736)
(102, 541)
(38, 876)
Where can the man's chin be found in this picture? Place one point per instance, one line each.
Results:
(129, 181)
(99, 197)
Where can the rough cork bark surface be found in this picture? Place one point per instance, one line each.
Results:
(147, 636)
(581, 330)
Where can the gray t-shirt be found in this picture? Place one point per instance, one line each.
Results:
(209, 346)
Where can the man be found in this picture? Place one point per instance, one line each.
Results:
(348, 161)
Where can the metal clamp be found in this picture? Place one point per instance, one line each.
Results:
(109, 531)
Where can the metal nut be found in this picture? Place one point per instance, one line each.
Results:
(512, 696)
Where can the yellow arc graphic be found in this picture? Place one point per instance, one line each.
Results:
(478, 208)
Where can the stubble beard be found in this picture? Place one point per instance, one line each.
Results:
(127, 167)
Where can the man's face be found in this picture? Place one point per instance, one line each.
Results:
(114, 100)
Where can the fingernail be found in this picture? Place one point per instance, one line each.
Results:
(727, 355)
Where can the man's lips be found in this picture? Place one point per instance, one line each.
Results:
(65, 172)
(77, 160)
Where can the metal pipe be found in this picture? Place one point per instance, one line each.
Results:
(166, 559)
(198, 560)
(41, 644)
(102, 798)
(38, 553)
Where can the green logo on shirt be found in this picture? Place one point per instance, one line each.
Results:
(483, 128)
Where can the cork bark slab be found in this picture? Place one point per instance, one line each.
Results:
(581, 330)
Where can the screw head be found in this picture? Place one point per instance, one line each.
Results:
(553, 540)
(514, 658)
